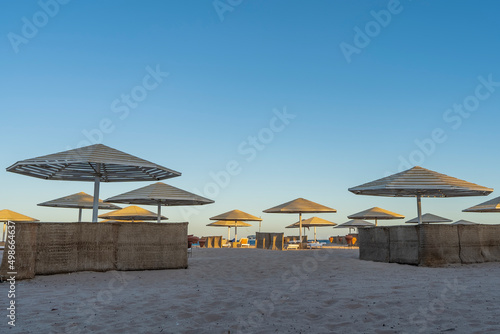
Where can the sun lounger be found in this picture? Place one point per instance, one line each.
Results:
(315, 244)
(292, 246)
(244, 242)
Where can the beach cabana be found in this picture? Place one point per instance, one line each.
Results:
(7, 215)
(463, 222)
(420, 182)
(355, 223)
(229, 224)
(236, 216)
(159, 194)
(429, 218)
(300, 206)
(78, 201)
(376, 214)
(95, 163)
(131, 213)
(313, 222)
(493, 205)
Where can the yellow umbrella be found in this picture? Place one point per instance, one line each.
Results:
(376, 213)
(131, 213)
(9, 215)
(235, 216)
(313, 222)
(229, 224)
(300, 206)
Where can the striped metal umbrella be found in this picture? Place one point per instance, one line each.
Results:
(355, 223)
(300, 206)
(376, 214)
(429, 218)
(95, 163)
(493, 205)
(463, 222)
(420, 182)
(160, 194)
(78, 201)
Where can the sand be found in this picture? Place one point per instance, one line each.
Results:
(261, 291)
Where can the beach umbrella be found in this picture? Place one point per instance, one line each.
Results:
(235, 216)
(493, 205)
(463, 222)
(300, 206)
(131, 213)
(9, 215)
(428, 218)
(355, 223)
(78, 201)
(159, 194)
(95, 163)
(313, 222)
(120, 221)
(420, 182)
(376, 214)
(229, 224)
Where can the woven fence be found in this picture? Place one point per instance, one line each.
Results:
(52, 248)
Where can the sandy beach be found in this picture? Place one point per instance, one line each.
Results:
(261, 291)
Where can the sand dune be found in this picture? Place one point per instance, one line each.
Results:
(260, 291)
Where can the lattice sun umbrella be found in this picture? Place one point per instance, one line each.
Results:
(420, 182)
(160, 194)
(78, 201)
(376, 214)
(236, 216)
(95, 163)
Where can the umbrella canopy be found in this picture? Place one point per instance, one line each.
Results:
(429, 218)
(313, 222)
(8, 215)
(463, 222)
(356, 223)
(133, 213)
(94, 163)
(236, 216)
(420, 182)
(79, 201)
(376, 213)
(120, 221)
(160, 194)
(493, 205)
(229, 224)
(300, 206)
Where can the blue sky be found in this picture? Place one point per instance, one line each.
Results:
(354, 116)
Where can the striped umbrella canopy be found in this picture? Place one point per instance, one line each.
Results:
(78, 201)
(95, 163)
(463, 222)
(493, 205)
(7, 215)
(159, 194)
(300, 206)
(376, 214)
(131, 213)
(420, 182)
(229, 224)
(313, 222)
(428, 218)
(235, 216)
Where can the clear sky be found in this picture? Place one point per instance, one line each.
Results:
(308, 98)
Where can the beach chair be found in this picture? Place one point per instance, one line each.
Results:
(292, 246)
(225, 243)
(244, 242)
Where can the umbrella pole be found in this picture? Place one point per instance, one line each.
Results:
(95, 205)
(228, 233)
(159, 212)
(79, 214)
(314, 233)
(375, 221)
(235, 232)
(419, 209)
(300, 228)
